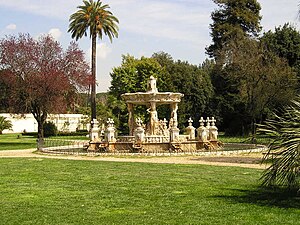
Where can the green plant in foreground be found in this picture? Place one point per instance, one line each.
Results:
(4, 124)
(284, 149)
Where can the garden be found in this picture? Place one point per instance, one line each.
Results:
(247, 85)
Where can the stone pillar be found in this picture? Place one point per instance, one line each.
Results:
(110, 131)
(213, 130)
(202, 131)
(190, 129)
(130, 118)
(94, 132)
(174, 134)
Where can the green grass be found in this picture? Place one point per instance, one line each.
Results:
(16, 141)
(246, 140)
(48, 191)
(70, 137)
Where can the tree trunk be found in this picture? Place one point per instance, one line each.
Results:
(253, 130)
(93, 88)
(40, 118)
(40, 134)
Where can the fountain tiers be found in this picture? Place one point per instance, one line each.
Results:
(152, 98)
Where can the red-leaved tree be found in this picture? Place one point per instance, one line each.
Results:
(41, 77)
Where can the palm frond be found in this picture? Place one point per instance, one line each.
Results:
(284, 149)
(94, 18)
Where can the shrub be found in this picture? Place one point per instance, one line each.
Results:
(50, 129)
(4, 124)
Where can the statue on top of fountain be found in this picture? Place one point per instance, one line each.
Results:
(151, 85)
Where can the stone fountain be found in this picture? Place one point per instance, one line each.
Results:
(157, 135)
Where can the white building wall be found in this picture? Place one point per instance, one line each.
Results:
(63, 122)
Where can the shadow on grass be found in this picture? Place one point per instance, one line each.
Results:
(281, 198)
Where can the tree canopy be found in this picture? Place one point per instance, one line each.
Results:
(177, 76)
(248, 78)
(285, 42)
(261, 78)
(233, 19)
(41, 77)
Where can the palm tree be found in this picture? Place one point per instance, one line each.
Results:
(94, 18)
(4, 124)
(284, 149)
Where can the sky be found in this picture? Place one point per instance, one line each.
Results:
(177, 27)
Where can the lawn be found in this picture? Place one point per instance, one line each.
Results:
(16, 141)
(49, 191)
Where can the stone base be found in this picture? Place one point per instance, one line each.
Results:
(97, 146)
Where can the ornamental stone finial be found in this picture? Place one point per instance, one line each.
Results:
(201, 121)
(139, 122)
(110, 122)
(208, 122)
(190, 121)
(213, 120)
(190, 129)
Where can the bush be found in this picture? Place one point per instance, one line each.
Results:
(4, 124)
(30, 134)
(50, 129)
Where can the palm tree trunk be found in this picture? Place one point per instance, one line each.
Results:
(93, 89)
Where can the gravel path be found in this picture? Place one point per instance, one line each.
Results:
(251, 160)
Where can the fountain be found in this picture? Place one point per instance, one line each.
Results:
(157, 135)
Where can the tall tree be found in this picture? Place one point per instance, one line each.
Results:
(94, 18)
(4, 97)
(40, 76)
(233, 19)
(261, 77)
(285, 42)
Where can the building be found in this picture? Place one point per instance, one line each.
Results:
(64, 122)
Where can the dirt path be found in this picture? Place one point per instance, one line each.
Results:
(251, 160)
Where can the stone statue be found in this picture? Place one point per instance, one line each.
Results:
(139, 132)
